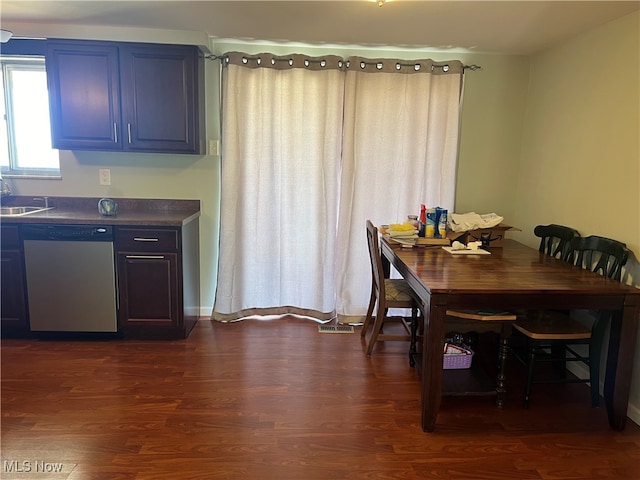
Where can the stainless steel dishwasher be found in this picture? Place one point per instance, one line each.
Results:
(71, 280)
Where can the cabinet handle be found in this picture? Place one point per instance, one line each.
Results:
(146, 256)
(115, 132)
(143, 239)
(129, 131)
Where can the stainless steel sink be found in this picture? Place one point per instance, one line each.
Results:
(19, 211)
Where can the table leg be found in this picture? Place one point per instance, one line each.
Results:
(617, 384)
(432, 358)
(503, 354)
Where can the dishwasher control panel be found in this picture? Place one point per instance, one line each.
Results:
(92, 233)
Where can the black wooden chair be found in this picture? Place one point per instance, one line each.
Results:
(387, 293)
(553, 336)
(555, 239)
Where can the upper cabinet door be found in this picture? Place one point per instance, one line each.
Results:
(84, 95)
(160, 103)
(126, 96)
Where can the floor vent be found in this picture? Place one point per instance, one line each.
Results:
(335, 329)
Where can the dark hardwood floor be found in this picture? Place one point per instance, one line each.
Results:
(276, 400)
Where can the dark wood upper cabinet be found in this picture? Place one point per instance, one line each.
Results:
(84, 96)
(126, 96)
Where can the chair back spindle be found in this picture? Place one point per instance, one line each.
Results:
(600, 255)
(555, 239)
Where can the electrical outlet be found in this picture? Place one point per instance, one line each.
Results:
(214, 146)
(105, 176)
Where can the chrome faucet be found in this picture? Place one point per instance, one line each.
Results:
(44, 199)
(4, 188)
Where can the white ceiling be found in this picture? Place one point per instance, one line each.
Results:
(511, 27)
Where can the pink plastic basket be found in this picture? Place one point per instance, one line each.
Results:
(453, 361)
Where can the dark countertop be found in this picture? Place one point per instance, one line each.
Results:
(84, 211)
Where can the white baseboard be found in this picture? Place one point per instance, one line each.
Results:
(580, 371)
(633, 413)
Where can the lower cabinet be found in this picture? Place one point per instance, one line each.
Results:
(14, 319)
(158, 281)
(157, 297)
(148, 290)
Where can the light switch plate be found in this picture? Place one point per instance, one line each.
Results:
(214, 147)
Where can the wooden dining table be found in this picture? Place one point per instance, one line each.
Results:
(514, 277)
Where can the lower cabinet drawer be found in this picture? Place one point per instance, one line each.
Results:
(148, 239)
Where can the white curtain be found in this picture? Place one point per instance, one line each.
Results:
(311, 149)
(400, 151)
(281, 144)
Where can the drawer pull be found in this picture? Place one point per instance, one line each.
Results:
(143, 239)
(156, 257)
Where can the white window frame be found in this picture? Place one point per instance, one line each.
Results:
(9, 63)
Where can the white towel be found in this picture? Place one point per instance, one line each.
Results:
(463, 222)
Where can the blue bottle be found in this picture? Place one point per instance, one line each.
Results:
(441, 225)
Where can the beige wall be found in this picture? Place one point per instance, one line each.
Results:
(491, 136)
(580, 162)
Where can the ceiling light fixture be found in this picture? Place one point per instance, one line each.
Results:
(5, 35)
(380, 3)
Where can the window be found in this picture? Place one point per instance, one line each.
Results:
(25, 136)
